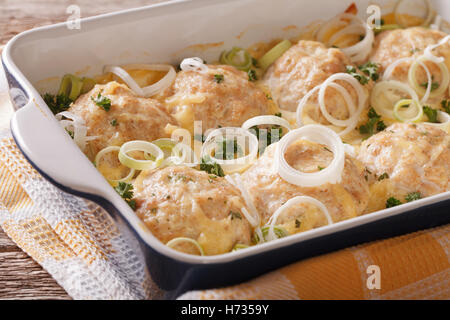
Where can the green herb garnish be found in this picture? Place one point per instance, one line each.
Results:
(102, 102)
(235, 215)
(271, 135)
(392, 202)
(383, 176)
(413, 196)
(125, 190)
(211, 167)
(297, 223)
(353, 72)
(431, 113)
(71, 134)
(381, 126)
(370, 69)
(57, 103)
(252, 75)
(219, 78)
(114, 122)
(446, 105)
(434, 84)
(227, 149)
(374, 120)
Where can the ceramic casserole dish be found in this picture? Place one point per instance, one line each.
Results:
(162, 33)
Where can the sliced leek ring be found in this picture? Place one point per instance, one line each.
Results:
(175, 241)
(415, 117)
(238, 247)
(100, 155)
(443, 86)
(230, 57)
(71, 86)
(274, 53)
(88, 84)
(145, 147)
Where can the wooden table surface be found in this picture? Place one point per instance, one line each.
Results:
(20, 276)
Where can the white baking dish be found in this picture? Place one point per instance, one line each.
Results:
(163, 33)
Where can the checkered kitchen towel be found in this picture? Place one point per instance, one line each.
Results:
(80, 246)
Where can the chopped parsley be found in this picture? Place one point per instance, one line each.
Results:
(353, 72)
(370, 69)
(434, 84)
(102, 102)
(446, 105)
(211, 167)
(218, 78)
(227, 149)
(125, 190)
(114, 122)
(297, 223)
(271, 135)
(71, 134)
(252, 75)
(383, 176)
(392, 202)
(381, 126)
(373, 123)
(413, 196)
(320, 168)
(235, 215)
(57, 103)
(431, 113)
(255, 62)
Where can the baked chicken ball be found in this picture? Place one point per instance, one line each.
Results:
(404, 159)
(183, 202)
(221, 96)
(393, 45)
(269, 191)
(303, 67)
(300, 69)
(126, 118)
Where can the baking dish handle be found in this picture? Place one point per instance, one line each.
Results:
(53, 153)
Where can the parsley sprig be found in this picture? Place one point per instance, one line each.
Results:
(392, 202)
(252, 75)
(102, 102)
(57, 103)
(219, 78)
(446, 105)
(410, 197)
(211, 167)
(369, 70)
(272, 135)
(434, 84)
(373, 123)
(431, 113)
(413, 196)
(353, 72)
(227, 149)
(125, 190)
